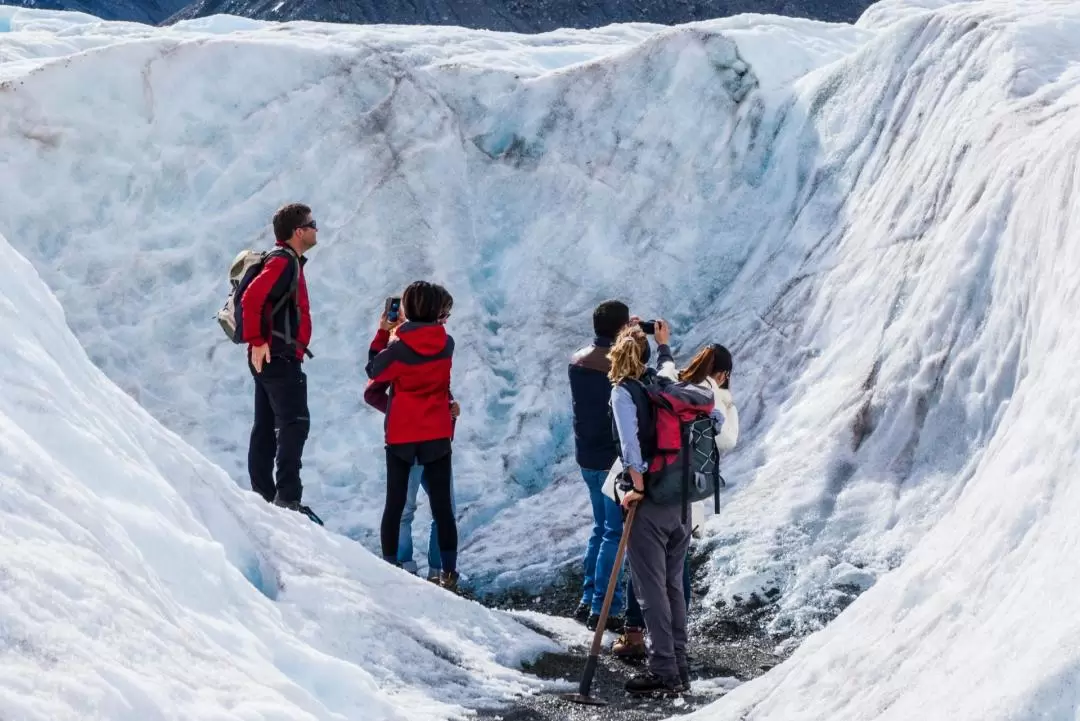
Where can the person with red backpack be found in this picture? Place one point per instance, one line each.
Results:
(419, 424)
(710, 369)
(666, 433)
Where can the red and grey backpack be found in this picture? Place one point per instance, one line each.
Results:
(684, 463)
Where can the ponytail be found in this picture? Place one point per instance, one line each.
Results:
(626, 355)
(710, 360)
(700, 367)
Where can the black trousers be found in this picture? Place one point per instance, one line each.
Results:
(280, 429)
(438, 473)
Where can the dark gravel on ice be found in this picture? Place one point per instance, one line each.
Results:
(730, 645)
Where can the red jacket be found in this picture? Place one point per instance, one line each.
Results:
(417, 367)
(377, 395)
(272, 282)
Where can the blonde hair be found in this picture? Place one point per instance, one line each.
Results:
(626, 355)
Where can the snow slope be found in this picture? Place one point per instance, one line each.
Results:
(137, 582)
(903, 338)
(975, 238)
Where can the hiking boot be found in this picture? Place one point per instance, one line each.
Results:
(295, 506)
(433, 576)
(684, 678)
(306, 510)
(631, 644)
(449, 580)
(581, 613)
(614, 623)
(649, 683)
(291, 505)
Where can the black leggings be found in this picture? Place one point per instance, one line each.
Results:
(438, 488)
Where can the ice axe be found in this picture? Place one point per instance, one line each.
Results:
(582, 696)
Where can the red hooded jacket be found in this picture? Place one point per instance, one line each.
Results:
(417, 367)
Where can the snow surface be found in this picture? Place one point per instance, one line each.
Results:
(964, 223)
(137, 581)
(875, 219)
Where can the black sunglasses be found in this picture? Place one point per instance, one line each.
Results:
(310, 225)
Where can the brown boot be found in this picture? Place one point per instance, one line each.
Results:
(449, 581)
(631, 644)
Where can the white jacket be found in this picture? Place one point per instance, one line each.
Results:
(725, 403)
(729, 431)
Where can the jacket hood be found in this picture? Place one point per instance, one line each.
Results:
(427, 339)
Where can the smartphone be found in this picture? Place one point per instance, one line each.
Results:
(393, 309)
(648, 327)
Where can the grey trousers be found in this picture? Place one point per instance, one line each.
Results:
(657, 547)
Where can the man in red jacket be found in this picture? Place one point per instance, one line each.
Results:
(277, 343)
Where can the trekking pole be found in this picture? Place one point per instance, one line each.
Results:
(582, 696)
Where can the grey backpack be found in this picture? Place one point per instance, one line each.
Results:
(245, 267)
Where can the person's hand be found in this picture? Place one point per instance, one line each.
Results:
(637, 493)
(390, 325)
(260, 354)
(663, 332)
(455, 409)
(630, 499)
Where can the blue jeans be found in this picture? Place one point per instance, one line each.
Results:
(405, 539)
(603, 546)
(633, 610)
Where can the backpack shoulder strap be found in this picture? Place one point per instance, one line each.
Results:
(637, 390)
(287, 336)
(646, 415)
(655, 394)
(293, 284)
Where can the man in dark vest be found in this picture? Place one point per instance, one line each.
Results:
(597, 449)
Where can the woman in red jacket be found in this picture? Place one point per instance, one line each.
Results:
(419, 426)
